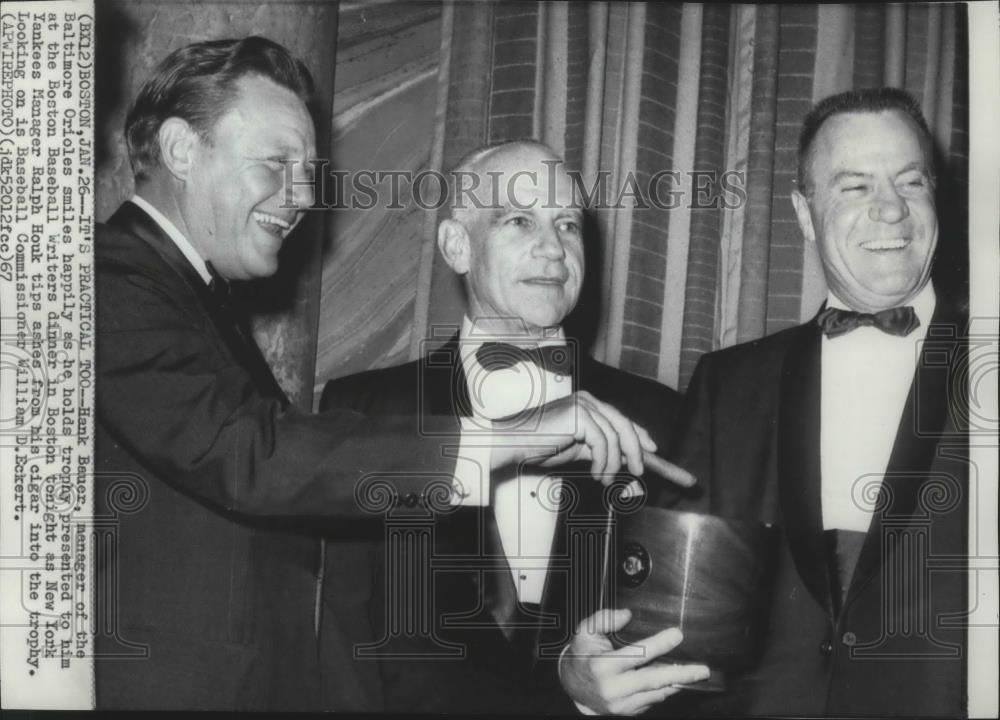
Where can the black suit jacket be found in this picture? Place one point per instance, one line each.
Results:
(204, 472)
(493, 673)
(897, 646)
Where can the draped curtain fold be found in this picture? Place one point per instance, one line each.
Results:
(702, 280)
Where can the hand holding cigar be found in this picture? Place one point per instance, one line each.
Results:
(581, 427)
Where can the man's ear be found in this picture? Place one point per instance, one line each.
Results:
(178, 146)
(803, 215)
(453, 242)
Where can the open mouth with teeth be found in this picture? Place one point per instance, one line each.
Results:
(273, 224)
(882, 245)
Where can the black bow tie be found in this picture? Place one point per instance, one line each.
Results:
(220, 288)
(899, 321)
(556, 359)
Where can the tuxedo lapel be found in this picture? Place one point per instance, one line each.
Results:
(799, 474)
(444, 389)
(916, 441)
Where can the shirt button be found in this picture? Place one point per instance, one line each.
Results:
(559, 378)
(524, 577)
(826, 648)
(849, 639)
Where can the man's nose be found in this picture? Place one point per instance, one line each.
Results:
(888, 206)
(549, 244)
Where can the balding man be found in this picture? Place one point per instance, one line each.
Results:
(515, 237)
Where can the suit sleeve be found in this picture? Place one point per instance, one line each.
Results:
(170, 393)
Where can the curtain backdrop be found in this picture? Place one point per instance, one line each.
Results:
(707, 98)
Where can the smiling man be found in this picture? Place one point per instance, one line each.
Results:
(510, 582)
(236, 180)
(205, 472)
(847, 433)
(869, 205)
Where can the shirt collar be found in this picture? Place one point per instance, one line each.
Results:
(186, 248)
(923, 305)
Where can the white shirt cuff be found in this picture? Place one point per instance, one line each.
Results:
(471, 484)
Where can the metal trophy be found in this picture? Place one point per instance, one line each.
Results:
(707, 575)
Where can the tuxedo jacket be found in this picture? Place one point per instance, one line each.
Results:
(492, 672)
(205, 477)
(896, 643)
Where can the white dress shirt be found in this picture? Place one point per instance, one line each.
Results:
(866, 377)
(525, 505)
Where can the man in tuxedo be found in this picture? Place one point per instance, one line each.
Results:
(531, 560)
(205, 473)
(845, 433)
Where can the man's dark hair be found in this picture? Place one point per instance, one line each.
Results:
(198, 84)
(866, 100)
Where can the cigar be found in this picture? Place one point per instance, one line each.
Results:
(667, 470)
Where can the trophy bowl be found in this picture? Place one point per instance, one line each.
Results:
(707, 575)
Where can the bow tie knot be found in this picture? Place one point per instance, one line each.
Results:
(556, 359)
(899, 321)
